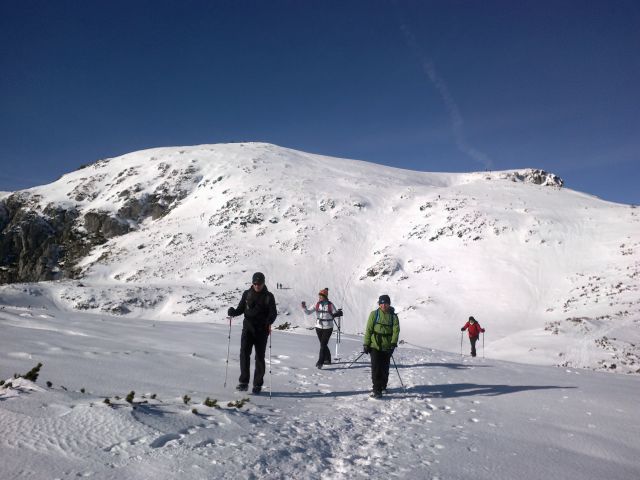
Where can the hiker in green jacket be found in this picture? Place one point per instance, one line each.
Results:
(380, 340)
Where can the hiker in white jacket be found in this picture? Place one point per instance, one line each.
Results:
(324, 311)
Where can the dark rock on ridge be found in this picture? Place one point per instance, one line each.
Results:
(36, 246)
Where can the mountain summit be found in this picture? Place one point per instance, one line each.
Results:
(175, 233)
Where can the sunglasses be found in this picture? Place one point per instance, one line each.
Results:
(258, 284)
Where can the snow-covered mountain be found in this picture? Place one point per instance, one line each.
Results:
(175, 234)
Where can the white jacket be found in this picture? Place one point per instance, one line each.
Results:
(324, 314)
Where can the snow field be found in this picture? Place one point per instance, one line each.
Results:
(458, 415)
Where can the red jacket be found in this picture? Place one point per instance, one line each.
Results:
(473, 328)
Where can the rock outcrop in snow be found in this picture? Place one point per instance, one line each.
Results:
(535, 176)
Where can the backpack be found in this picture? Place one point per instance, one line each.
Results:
(375, 321)
(330, 309)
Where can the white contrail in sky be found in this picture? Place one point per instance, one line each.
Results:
(455, 116)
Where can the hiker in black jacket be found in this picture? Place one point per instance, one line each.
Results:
(259, 308)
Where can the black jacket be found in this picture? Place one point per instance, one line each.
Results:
(259, 308)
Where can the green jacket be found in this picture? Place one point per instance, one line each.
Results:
(382, 334)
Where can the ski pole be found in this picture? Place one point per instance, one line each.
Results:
(338, 341)
(226, 370)
(357, 358)
(460, 343)
(398, 372)
(482, 344)
(337, 338)
(270, 382)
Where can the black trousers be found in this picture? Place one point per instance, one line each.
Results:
(253, 337)
(380, 369)
(473, 341)
(324, 334)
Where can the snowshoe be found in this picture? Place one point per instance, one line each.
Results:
(256, 390)
(376, 394)
(242, 387)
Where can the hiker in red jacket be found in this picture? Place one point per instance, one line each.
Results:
(474, 329)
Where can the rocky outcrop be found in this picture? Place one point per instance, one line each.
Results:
(39, 244)
(35, 245)
(535, 176)
(102, 226)
(139, 208)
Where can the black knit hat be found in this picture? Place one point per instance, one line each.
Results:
(384, 299)
(471, 319)
(258, 278)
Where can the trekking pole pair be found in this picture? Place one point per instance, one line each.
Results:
(482, 344)
(394, 364)
(226, 370)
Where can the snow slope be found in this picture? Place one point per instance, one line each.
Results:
(457, 418)
(552, 274)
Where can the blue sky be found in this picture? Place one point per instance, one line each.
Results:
(427, 85)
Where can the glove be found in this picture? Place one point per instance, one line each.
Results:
(231, 312)
(304, 304)
(462, 329)
(366, 349)
(268, 328)
(482, 330)
(393, 348)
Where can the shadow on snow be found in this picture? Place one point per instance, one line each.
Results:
(456, 390)
(347, 393)
(366, 364)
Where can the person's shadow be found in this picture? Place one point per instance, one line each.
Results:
(456, 390)
(453, 366)
(347, 393)
(366, 364)
(449, 390)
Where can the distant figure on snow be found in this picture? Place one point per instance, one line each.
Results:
(259, 307)
(380, 340)
(474, 330)
(325, 311)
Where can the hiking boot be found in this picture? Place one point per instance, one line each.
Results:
(376, 394)
(242, 387)
(256, 390)
(327, 362)
(319, 365)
